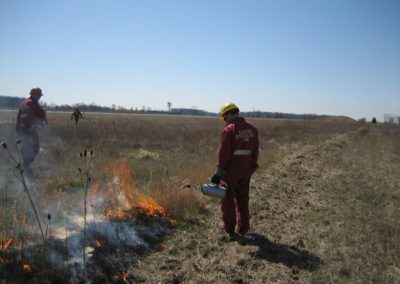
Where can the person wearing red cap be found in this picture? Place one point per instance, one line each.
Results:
(31, 116)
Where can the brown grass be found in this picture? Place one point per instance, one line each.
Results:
(361, 194)
(164, 151)
(351, 222)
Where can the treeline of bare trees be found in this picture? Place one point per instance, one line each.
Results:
(391, 118)
(387, 118)
(14, 102)
(10, 102)
(264, 114)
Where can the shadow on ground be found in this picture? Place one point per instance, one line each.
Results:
(279, 253)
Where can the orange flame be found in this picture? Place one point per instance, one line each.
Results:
(125, 186)
(26, 267)
(148, 206)
(163, 246)
(118, 213)
(98, 244)
(124, 276)
(6, 244)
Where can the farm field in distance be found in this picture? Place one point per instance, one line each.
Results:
(324, 203)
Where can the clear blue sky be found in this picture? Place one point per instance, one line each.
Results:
(339, 57)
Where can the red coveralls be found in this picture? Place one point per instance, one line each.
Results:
(30, 116)
(238, 154)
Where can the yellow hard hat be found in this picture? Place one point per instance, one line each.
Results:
(227, 107)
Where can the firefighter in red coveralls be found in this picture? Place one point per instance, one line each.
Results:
(237, 160)
(31, 116)
(76, 114)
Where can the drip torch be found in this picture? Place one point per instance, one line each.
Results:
(210, 189)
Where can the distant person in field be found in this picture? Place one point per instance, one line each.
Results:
(77, 115)
(31, 117)
(237, 161)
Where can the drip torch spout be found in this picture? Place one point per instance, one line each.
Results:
(209, 189)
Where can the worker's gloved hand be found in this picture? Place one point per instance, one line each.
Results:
(216, 179)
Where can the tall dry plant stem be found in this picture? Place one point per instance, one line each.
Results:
(19, 175)
(66, 236)
(85, 180)
(4, 236)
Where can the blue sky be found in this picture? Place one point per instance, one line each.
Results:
(339, 57)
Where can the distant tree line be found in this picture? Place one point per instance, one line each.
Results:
(263, 114)
(81, 106)
(391, 118)
(387, 118)
(10, 102)
(14, 102)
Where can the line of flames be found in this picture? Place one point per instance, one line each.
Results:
(138, 203)
(6, 244)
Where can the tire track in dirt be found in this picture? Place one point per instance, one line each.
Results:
(275, 249)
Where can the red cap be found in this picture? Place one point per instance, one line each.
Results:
(36, 91)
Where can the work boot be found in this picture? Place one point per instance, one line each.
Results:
(228, 237)
(241, 231)
(233, 237)
(222, 227)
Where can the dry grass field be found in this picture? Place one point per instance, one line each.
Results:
(324, 203)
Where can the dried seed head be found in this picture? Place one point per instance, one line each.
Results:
(80, 170)
(85, 153)
(49, 216)
(18, 141)
(91, 153)
(80, 154)
(89, 178)
(4, 145)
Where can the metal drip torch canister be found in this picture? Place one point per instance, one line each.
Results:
(214, 190)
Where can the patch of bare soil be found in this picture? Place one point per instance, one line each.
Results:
(276, 248)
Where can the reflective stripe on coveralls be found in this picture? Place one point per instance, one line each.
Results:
(242, 152)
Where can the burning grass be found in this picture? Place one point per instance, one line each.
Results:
(124, 224)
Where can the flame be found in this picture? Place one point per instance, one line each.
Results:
(6, 244)
(124, 277)
(118, 213)
(163, 246)
(148, 206)
(98, 244)
(125, 191)
(26, 267)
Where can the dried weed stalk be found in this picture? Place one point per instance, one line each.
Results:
(86, 178)
(19, 175)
